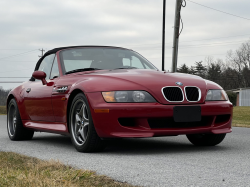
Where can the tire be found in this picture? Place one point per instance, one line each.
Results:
(82, 130)
(206, 139)
(15, 128)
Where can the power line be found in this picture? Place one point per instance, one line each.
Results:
(11, 82)
(220, 10)
(13, 77)
(16, 61)
(188, 56)
(216, 38)
(17, 70)
(17, 54)
(16, 49)
(190, 40)
(217, 43)
(190, 46)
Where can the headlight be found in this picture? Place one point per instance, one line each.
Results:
(216, 95)
(128, 97)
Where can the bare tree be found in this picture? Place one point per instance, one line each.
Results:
(240, 61)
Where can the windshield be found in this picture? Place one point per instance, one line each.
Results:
(102, 58)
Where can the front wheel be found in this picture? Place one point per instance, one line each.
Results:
(206, 139)
(82, 130)
(16, 130)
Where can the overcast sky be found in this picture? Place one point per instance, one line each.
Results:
(28, 25)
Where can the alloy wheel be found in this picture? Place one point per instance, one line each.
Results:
(80, 122)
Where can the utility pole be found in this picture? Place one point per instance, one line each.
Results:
(42, 50)
(176, 34)
(163, 35)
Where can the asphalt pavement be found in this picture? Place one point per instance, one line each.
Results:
(164, 161)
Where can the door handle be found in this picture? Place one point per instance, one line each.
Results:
(28, 90)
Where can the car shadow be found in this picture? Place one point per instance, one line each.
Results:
(135, 146)
(158, 146)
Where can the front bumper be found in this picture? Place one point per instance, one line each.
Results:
(155, 119)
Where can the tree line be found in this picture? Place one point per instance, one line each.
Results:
(3, 96)
(232, 73)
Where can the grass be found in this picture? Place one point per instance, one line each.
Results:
(241, 116)
(3, 110)
(19, 170)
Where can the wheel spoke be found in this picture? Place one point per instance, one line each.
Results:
(14, 122)
(77, 123)
(85, 129)
(78, 118)
(81, 111)
(85, 113)
(81, 133)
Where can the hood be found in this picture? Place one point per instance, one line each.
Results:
(151, 81)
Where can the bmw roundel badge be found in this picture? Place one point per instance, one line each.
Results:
(179, 83)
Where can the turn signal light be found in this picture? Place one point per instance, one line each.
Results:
(109, 97)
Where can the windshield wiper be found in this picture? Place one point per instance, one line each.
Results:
(127, 67)
(84, 69)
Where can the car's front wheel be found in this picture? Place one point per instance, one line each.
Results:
(206, 139)
(15, 128)
(82, 130)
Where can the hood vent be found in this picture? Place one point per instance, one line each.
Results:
(173, 94)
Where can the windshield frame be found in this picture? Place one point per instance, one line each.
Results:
(100, 47)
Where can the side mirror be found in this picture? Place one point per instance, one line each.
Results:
(40, 75)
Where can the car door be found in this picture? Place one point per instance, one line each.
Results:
(59, 95)
(37, 98)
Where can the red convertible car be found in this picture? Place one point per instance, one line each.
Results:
(93, 92)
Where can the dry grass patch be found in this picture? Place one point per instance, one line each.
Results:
(241, 116)
(19, 170)
(3, 110)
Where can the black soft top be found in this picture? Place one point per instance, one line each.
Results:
(52, 51)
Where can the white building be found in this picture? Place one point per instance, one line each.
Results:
(243, 96)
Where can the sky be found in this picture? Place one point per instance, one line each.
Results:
(27, 26)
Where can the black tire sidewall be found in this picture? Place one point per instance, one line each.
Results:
(13, 102)
(206, 139)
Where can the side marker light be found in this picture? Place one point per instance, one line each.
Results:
(101, 110)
